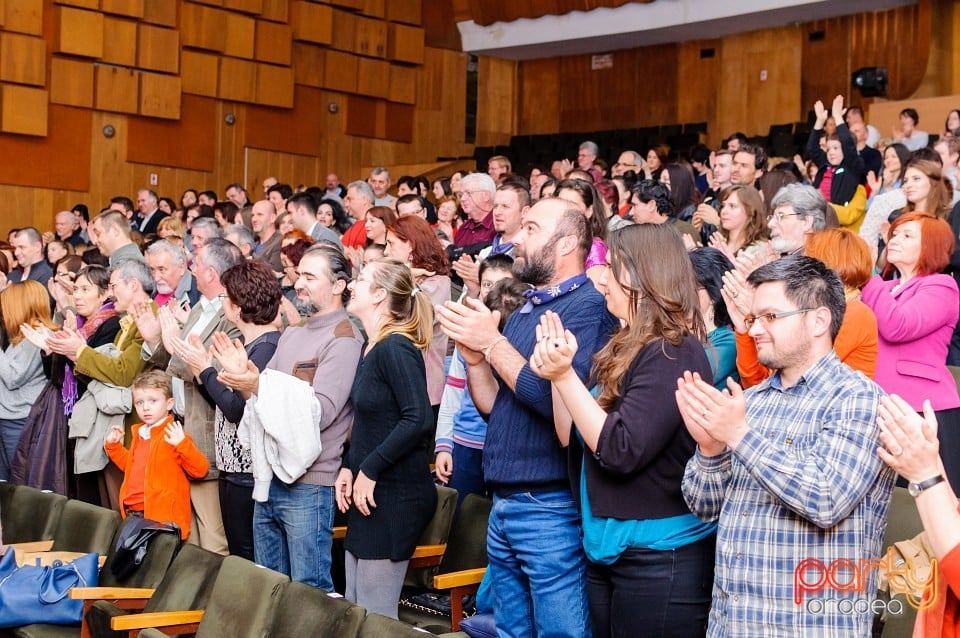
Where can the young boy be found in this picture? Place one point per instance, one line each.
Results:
(161, 459)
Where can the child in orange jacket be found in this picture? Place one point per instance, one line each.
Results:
(161, 459)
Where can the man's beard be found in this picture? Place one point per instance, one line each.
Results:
(305, 307)
(537, 269)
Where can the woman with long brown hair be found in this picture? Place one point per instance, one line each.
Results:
(647, 553)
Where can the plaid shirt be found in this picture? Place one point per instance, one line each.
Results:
(805, 482)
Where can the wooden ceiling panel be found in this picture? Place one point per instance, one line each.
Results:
(486, 12)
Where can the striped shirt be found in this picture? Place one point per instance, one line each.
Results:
(804, 483)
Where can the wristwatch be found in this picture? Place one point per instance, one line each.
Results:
(915, 488)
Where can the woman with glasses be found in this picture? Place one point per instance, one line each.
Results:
(916, 315)
(650, 560)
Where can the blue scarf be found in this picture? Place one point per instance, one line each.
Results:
(538, 297)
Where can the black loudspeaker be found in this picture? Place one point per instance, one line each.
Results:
(871, 80)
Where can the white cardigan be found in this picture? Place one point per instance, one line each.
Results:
(281, 427)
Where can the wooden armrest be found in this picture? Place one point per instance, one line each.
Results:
(339, 532)
(459, 579)
(32, 546)
(109, 593)
(423, 551)
(427, 556)
(156, 619)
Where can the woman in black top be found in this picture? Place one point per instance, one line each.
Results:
(252, 303)
(386, 474)
(650, 560)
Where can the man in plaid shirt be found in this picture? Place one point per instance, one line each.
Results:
(789, 469)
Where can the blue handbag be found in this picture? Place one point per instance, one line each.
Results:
(34, 594)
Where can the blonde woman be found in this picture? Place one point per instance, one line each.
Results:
(385, 484)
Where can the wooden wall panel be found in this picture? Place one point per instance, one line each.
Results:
(187, 143)
(405, 44)
(309, 62)
(160, 95)
(311, 22)
(699, 79)
(23, 59)
(160, 12)
(299, 130)
(42, 162)
(23, 16)
(373, 77)
(238, 80)
(131, 8)
(79, 32)
(116, 89)
(274, 85)
(158, 49)
(23, 110)
(748, 101)
(539, 96)
(273, 42)
(240, 36)
(71, 82)
(201, 27)
(200, 73)
(119, 41)
(497, 86)
(407, 11)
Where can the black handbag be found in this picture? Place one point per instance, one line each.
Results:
(133, 542)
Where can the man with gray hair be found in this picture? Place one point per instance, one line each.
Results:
(148, 204)
(798, 210)
(67, 227)
(586, 155)
(358, 200)
(477, 191)
(379, 181)
(161, 347)
(241, 237)
(202, 230)
(168, 266)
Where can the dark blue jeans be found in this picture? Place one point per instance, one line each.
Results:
(10, 431)
(467, 475)
(653, 593)
(537, 566)
(293, 532)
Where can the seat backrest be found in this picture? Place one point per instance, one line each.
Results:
(85, 528)
(436, 533)
(160, 552)
(467, 546)
(243, 600)
(6, 494)
(308, 611)
(32, 515)
(188, 582)
(903, 519)
(377, 626)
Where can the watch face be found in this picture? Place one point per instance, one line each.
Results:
(913, 489)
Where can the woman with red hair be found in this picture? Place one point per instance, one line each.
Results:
(412, 241)
(916, 316)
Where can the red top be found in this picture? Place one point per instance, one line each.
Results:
(356, 236)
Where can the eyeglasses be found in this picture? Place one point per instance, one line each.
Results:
(468, 193)
(767, 318)
(779, 216)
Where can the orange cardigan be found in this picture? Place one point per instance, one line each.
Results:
(856, 345)
(166, 485)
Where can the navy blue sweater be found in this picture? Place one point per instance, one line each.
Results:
(522, 451)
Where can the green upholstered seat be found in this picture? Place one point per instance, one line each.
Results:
(308, 611)
(31, 515)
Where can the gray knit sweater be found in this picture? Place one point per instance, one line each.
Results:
(21, 379)
(324, 351)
